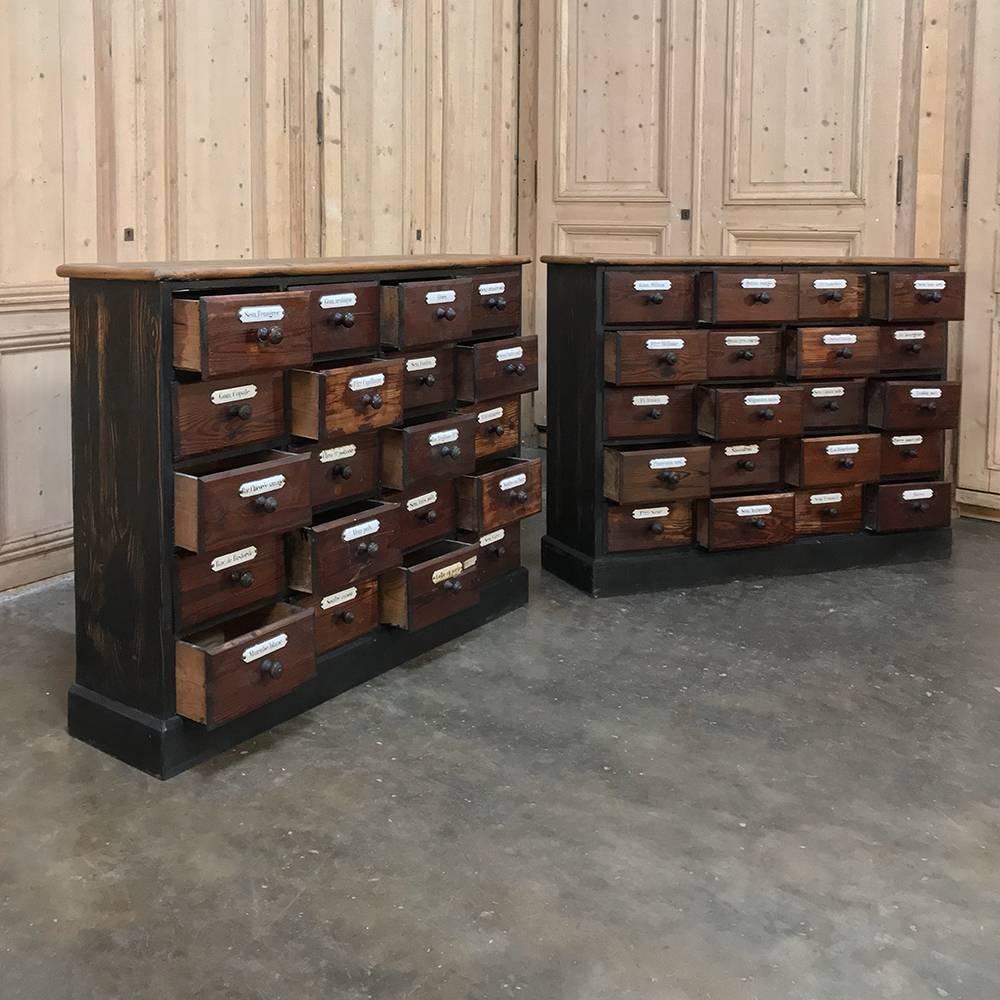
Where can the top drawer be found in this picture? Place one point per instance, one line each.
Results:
(830, 295)
(910, 295)
(344, 317)
(649, 297)
(496, 301)
(425, 312)
(228, 334)
(754, 296)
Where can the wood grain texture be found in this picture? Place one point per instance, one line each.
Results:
(624, 303)
(492, 498)
(826, 305)
(411, 599)
(736, 467)
(645, 357)
(894, 507)
(408, 320)
(892, 405)
(649, 411)
(487, 370)
(428, 451)
(496, 310)
(741, 260)
(830, 405)
(498, 425)
(337, 326)
(731, 523)
(822, 461)
(426, 384)
(821, 352)
(632, 476)
(633, 528)
(735, 414)
(910, 455)
(342, 468)
(499, 551)
(829, 511)
(902, 349)
(730, 355)
(426, 513)
(346, 620)
(893, 297)
(723, 299)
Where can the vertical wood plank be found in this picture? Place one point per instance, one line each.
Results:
(931, 136)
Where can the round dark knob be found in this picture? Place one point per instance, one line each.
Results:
(449, 314)
(451, 450)
(670, 477)
(656, 298)
(656, 528)
(515, 369)
(934, 296)
(747, 464)
(344, 319)
(519, 496)
(244, 411)
(745, 355)
(274, 335)
(244, 579)
(929, 405)
(670, 358)
(767, 414)
(910, 453)
(497, 551)
(367, 548)
(429, 515)
(921, 505)
(453, 585)
(374, 400)
(847, 463)
(262, 334)
(267, 504)
(271, 668)
(343, 471)
(833, 405)
(758, 522)
(913, 347)
(497, 429)
(845, 352)
(427, 380)
(498, 302)
(347, 617)
(655, 413)
(831, 511)
(836, 295)
(762, 297)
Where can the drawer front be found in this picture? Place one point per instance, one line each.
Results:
(223, 509)
(750, 354)
(746, 522)
(649, 297)
(905, 454)
(656, 474)
(220, 335)
(497, 368)
(425, 514)
(828, 511)
(834, 404)
(428, 377)
(499, 551)
(343, 317)
(745, 466)
(428, 452)
(907, 506)
(210, 586)
(828, 461)
(228, 413)
(832, 352)
(649, 411)
(633, 528)
(415, 313)
(829, 295)
(910, 295)
(749, 297)
(498, 425)
(339, 470)
(640, 357)
(492, 499)
(912, 348)
(429, 591)
(496, 300)
(914, 406)
(344, 615)
(746, 414)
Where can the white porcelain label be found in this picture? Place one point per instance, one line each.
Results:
(230, 559)
(494, 536)
(925, 394)
(360, 530)
(424, 500)
(759, 282)
(840, 338)
(446, 573)
(487, 415)
(641, 513)
(443, 437)
(765, 399)
(818, 498)
(843, 449)
(470, 562)
(338, 301)
(344, 451)
(512, 481)
(917, 494)
(650, 400)
(420, 364)
(754, 510)
(264, 648)
(510, 353)
(822, 284)
(827, 391)
(341, 597)
(742, 449)
(667, 344)
(678, 462)
(909, 334)
(258, 486)
(261, 314)
(899, 440)
(742, 341)
(436, 298)
(233, 395)
(653, 285)
(929, 284)
(366, 382)
(493, 288)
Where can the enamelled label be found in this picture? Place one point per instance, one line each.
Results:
(360, 530)
(818, 498)
(258, 486)
(424, 500)
(668, 344)
(909, 335)
(511, 482)
(231, 559)
(446, 572)
(366, 382)
(261, 314)
(843, 449)
(339, 301)
(421, 364)
(759, 283)
(510, 353)
(493, 288)
(470, 562)
(904, 439)
(925, 394)
(929, 284)
(743, 341)
(765, 399)
(825, 284)
(487, 415)
(827, 391)
(333, 454)
(668, 463)
(437, 298)
(443, 437)
(650, 400)
(341, 597)
(233, 395)
(840, 338)
(494, 536)
(917, 494)
(754, 510)
(260, 649)
(641, 513)
(742, 449)
(653, 285)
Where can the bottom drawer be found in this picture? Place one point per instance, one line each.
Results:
(746, 522)
(344, 616)
(828, 511)
(631, 528)
(225, 672)
(499, 551)
(432, 583)
(907, 506)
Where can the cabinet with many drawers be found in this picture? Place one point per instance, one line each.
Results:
(288, 477)
(719, 418)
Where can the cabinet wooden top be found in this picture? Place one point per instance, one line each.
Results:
(197, 270)
(624, 261)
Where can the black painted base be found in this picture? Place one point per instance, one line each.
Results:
(165, 747)
(639, 572)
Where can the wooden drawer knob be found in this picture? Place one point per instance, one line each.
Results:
(934, 296)
(497, 429)
(242, 410)
(747, 464)
(845, 352)
(670, 477)
(497, 551)
(244, 579)
(518, 369)
(272, 335)
(453, 585)
(347, 617)
(518, 496)
(429, 515)
(912, 347)
(367, 548)
(910, 453)
(930, 406)
(267, 504)
(374, 400)
(831, 511)
(427, 380)
(656, 528)
(498, 302)
(758, 523)
(343, 319)
(441, 313)
(921, 506)
(655, 413)
(767, 414)
(762, 297)
(837, 295)
(656, 298)
(342, 472)
(451, 451)
(847, 463)
(670, 358)
(271, 668)
(833, 406)
(745, 356)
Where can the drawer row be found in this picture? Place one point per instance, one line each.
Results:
(647, 474)
(757, 295)
(634, 357)
(735, 413)
(721, 523)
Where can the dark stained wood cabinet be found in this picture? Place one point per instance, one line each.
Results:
(288, 477)
(714, 419)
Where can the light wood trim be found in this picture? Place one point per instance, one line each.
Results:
(189, 673)
(614, 261)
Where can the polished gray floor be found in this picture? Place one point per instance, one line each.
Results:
(759, 791)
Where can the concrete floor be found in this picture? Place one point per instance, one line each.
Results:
(781, 791)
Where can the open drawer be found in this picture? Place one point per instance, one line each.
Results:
(432, 583)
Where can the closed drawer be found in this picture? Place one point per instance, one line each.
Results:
(755, 296)
(909, 295)
(216, 584)
(912, 348)
(745, 466)
(825, 296)
(432, 583)
(428, 451)
(225, 672)
(344, 546)
(640, 358)
(496, 368)
(344, 399)
(832, 352)
(343, 317)
(498, 425)
(499, 550)
(501, 491)
(834, 405)
(415, 313)
(425, 513)
(339, 470)
(914, 406)
(649, 296)
(632, 528)
(906, 455)
(640, 475)
(742, 414)
(907, 506)
(429, 377)
(220, 335)
(239, 499)
(745, 522)
(829, 511)
(228, 413)
(753, 354)
(344, 615)
(649, 411)
(827, 461)
(496, 300)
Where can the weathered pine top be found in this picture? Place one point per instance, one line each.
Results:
(629, 261)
